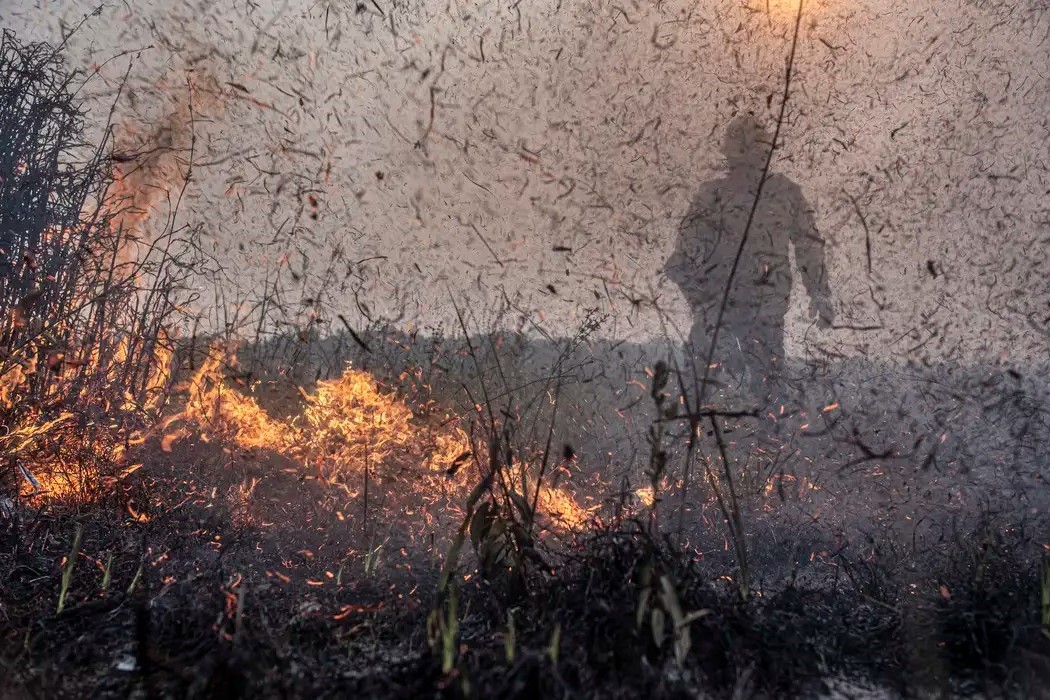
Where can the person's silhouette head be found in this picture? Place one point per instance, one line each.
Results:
(746, 144)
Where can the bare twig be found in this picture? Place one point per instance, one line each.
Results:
(701, 390)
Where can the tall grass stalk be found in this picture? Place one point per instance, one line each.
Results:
(67, 569)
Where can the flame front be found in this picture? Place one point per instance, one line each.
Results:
(347, 426)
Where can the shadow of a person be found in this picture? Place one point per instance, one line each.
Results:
(750, 347)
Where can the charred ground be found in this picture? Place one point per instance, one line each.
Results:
(217, 570)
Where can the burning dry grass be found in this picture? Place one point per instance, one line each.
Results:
(80, 424)
(353, 423)
(222, 412)
(349, 430)
(85, 352)
(346, 424)
(564, 509)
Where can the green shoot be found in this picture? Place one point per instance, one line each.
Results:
(67, 570)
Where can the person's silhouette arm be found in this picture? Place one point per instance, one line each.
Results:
(809, 256)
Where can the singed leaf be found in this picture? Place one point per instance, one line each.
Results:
(522, 505)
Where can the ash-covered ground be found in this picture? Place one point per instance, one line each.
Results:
(861, 517)
(894, 522)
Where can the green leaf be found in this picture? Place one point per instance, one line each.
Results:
(452, 560)
(67, 570)
(555, 646)
(696, 615)
(683, 641)
(643, 604)
(669, 600)
(658, 623)
(510, 638)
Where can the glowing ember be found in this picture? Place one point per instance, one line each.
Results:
(645, 495)
(563, 510)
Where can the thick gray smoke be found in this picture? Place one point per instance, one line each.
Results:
(544, 154)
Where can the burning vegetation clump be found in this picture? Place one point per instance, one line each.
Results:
(69, 443)
(346, 425)
(348, 430)
(221, 411)
(351, 421)
(85, 351)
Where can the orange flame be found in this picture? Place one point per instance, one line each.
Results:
(347, 425)
(52, 449)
